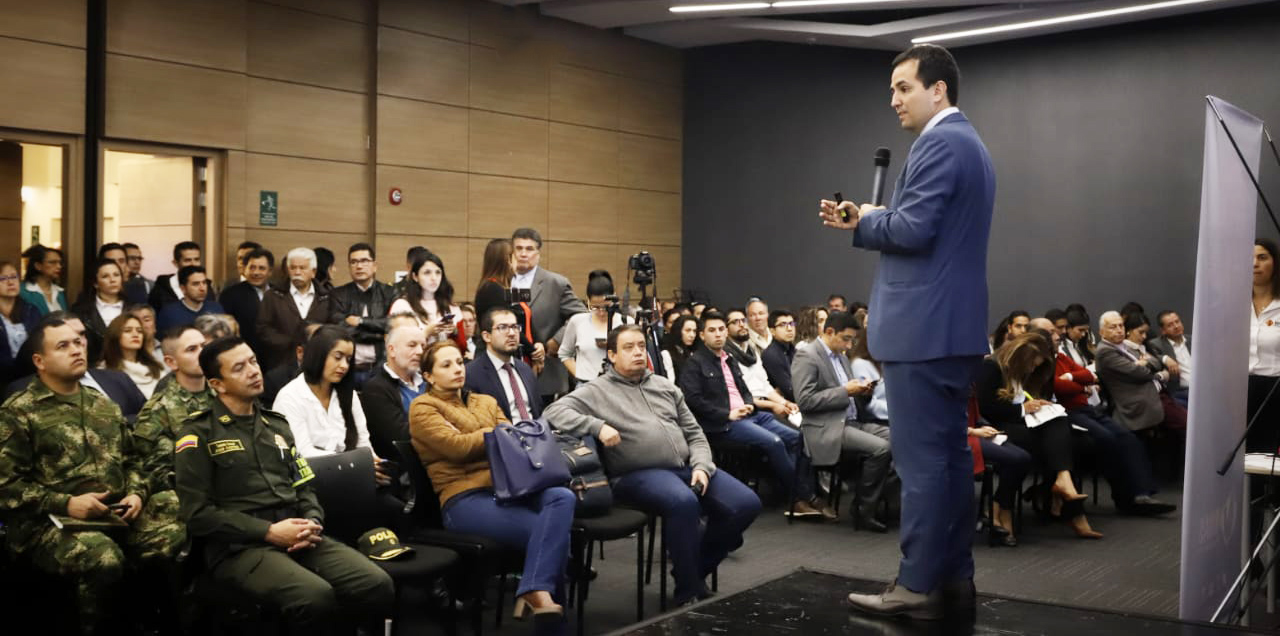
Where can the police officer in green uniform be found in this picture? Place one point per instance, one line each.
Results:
(65, 450)
(244, 490)
(184, 394)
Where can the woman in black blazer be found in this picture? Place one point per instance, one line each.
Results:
(1014, 383)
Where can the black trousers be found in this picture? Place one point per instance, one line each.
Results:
(1265, 436)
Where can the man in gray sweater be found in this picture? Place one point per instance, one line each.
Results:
(659, 460)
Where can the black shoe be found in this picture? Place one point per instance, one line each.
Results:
(960, 596)
(869, 522)
(1147, 506)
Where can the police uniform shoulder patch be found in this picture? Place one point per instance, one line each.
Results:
(185, 442)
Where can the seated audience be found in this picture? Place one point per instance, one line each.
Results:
(1077, 342)
(123, 351)
(778, 356)
(1133, 378)
(655, 451)
(166, 289)
(18, 319)
(100, 305)
(40, 283)
(758, 324)
(582, 347)
(809, 325)
(429, 296)
(387, 393)
(321, 404)
(258, 516)
(1059, 320)
(65, 450)
(825, 391)
(1012, 326)
(285, 372)
(195, 301)
(751, 364)
(243, 299)
(874, 408)
(1174, 344)
(723, 405)
(499, 373)
(1011, 466)
(470, 332)
(162, 416)
(146, 314)
(1014, 382)
(361, 306)
(494, 290)
(1122, 456)
(215, 326)
(448, 426)
(284, 314)
(836, 302)
(678, 344)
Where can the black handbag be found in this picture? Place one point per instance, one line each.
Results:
(586, 475)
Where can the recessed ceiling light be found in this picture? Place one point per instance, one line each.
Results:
(1032, 24)
(791, 4)
(734, 6)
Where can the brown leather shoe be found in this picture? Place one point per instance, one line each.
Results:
(803, 509)
(897, 600)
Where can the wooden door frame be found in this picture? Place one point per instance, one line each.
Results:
(72, 197)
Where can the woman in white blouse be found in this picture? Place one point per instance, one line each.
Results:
(584, 335)
(429, 296)
(321, 404)
(1264, 347)
(124, 349)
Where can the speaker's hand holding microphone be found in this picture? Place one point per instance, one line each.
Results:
(845, 215)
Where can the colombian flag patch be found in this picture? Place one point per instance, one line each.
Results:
(187, 441)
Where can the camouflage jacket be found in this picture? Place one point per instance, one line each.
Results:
(53, 447)
(157, 429)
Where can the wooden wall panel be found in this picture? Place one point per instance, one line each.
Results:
(442, 18)
(495, 25)
(576, 260)
(303, 47)
(174, 103)
(507, 145)
(210, 34)
(583, 155)
(452, 250)
(355, 10)
(306, 121)
(583, 213)
(651, 218)
(496, 206)
(512, 79)
(434, 202)
(423, 67)
(650, 109)
(43, 86)
(328, 195)
(52, 21)
(647, 163)
(583, 96)
(422, 135)
(475, 266)
(236, 175)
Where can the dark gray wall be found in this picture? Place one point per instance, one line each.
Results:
(1097, 138)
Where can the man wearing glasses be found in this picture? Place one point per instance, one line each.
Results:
(779, 354)
(500, 373)
(361, 306)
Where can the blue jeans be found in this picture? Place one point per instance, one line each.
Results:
(781, 443)
(729, 505)
(539, 526)
(1124, 460)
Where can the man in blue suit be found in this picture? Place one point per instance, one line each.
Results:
(499, 373)
(927, 325)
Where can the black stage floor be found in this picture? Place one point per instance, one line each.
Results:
(811, 603)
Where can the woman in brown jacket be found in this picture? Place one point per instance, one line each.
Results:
(447, 425)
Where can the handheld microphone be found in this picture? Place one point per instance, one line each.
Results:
(882, 169)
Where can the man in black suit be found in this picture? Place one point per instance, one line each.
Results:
(242, 299)
(390, 389)
(114, 384)
(166, 289)
(361, 306)
(500, 373)
(242, 261)
(136, 287)
(284, 312)
(1174, 344)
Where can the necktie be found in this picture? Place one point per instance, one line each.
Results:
(515, 392)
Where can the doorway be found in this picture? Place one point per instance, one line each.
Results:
(32, 196)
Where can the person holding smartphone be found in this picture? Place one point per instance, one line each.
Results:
(582, 350)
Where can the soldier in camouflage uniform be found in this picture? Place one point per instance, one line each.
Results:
(245, 491)
(159, 420)
(65, 450)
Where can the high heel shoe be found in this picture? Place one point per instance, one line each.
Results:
(1082, 529)
(1066, 497)
(523, 609)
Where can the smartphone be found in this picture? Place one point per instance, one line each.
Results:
(447, 318)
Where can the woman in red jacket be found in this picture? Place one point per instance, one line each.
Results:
(1122, 457)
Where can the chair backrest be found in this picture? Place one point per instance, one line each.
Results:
(345, 486)
(426, 505)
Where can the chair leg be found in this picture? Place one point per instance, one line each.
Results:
(575, 565)
(584, 588)
(662, 572)
(715, 579)
(502, 595)
(653, 533)
(640, 574)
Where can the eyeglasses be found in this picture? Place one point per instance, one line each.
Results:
(360, 261)
(131, 259)
(5, 279)
(785, 324)
(738, 321)
(513, 327)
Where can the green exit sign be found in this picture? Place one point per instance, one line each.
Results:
(268, 208)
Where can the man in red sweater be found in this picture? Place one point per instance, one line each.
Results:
(1121, 454)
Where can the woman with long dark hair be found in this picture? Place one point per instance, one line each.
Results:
(18, 319)
(428, 294)
(1264, 347)
(40, 284)
(494, 290)
(124, 349)
(809, 323)
(1016, 382)
(678, 344)
(585, 334)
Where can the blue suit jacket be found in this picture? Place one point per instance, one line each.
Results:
(929, 299)
(482, 377)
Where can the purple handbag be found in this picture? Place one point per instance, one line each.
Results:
(524, 459)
